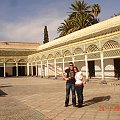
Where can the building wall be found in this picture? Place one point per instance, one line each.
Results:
(9, 71)
(90, 44)
(25, 70)
(59, 68)
(19, 45)
(81, 66)
(39, 71)
(51, 70)
(98, 68)
(109, 68)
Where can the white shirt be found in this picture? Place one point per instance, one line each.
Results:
(78, 78)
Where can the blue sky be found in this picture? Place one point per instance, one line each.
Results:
(24, 20)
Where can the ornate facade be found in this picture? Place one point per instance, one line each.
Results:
(95, 50)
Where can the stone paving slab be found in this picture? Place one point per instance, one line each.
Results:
(11, 109)
(36, 99)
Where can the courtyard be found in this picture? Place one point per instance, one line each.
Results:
(35, 98)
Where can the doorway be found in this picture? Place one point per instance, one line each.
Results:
(21, 70)
(91, 68)
(14, 71)
(117, 67)
(1, 71)
(34, 71)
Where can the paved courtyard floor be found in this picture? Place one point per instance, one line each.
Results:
(34, 98)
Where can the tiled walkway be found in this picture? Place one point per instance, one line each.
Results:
(31, 98)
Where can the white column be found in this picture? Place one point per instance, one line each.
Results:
(28, 73)
(55, 68)
(32, 69)
(47, 69)
(16, 69)
(36, 69)
(102, 65)
(41, 70)
(86, 65)
(63, 64)
(4, 70)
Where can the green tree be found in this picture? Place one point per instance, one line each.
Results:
(65, 28)
(46, 39)
(79, 7)
(81, 16)
(96, 10)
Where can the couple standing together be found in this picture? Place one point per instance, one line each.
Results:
(74, 82)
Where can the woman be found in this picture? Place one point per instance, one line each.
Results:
(79, 84)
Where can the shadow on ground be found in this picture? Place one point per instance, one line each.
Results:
(96, 100)
(2, 94)
(2, 86)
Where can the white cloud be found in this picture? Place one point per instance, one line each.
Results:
(30, 29)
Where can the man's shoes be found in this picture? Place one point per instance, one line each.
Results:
(66, 105)
(79, 106)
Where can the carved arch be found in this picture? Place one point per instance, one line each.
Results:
(50, 56)
(78, 51)
(67, 53)
(92, 48)
(57, 54)
(110, 44)
(10, 61)
(43, 57)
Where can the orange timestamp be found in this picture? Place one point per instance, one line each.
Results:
(110, 108)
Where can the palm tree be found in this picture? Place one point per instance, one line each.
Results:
(65, 27)
(80, 7)
(81, 21)
(95, 10)
(81, 16)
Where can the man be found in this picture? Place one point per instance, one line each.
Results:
(69, 76)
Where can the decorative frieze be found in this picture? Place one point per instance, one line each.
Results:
(112, 53)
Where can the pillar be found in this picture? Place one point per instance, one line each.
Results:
(32, 69)
(102, 65)
(41, 70)
(63, 64)
(4, 70)
(28, 73)
(86, 65)
(36, 69)
(16, 69)
(55, 68)
(47, 68)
